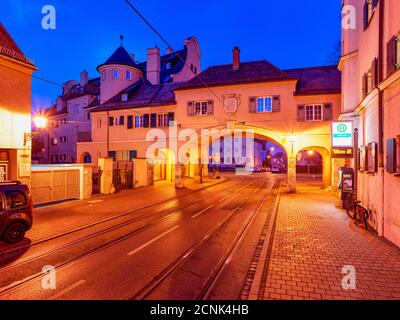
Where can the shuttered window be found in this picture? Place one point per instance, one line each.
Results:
(393, 55)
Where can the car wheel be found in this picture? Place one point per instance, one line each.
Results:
(14, 233)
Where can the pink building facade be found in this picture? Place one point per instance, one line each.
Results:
(292, 108)
(370, 66)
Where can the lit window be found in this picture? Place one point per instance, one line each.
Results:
(115, 73)
(314, 112)
(124, 97)
(163, 120)
(139, 122)
(264, 104)
(128, 75)
(201, 108)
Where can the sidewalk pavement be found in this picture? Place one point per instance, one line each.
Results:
(56, 219)
(313, 240)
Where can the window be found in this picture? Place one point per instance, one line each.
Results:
(132, 154)
(124, 97)
(87, 115)
(139, 122)
(15, 199)
(104, 75)
(122, 120)
(115, 73)
(369, 10)
(264, 104)
(63, 139)
(54, 141)
(201, 108)
(128, 75)
(168, 65)
(163, 120)
(393, 55)
(314, 112)
(111, 121)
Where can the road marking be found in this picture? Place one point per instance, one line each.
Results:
(66, 290)
(152, 241)
(201, 212)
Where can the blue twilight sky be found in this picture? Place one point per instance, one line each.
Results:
(288, 33)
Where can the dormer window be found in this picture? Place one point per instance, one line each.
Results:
(115, 73)
(168, 65)
(128, 75)
(124, 97)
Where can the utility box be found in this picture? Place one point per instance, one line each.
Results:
(346, 186)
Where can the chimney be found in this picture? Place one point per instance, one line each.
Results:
(153, 65)
(84, 78)
(236, 58)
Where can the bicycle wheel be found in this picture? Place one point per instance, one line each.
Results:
(364, 215)
(350, 206)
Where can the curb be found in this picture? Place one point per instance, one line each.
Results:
(263, 261)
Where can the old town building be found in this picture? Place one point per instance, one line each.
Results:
(370, 68)
(15, 110)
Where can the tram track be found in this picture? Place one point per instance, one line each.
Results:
(8, 289)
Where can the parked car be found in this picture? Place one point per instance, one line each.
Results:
(16, 211)
(276, 169)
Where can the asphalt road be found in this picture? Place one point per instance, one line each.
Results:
(197, 246)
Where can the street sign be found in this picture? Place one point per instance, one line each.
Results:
(342, 135)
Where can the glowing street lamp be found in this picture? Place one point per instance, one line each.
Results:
(310, 152)
(40, 121)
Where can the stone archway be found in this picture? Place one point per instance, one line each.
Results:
(326, 163)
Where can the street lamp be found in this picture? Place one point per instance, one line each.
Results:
(40, 122)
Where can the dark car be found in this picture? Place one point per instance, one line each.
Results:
(16, 209)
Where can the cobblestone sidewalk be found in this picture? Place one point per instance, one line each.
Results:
(314, 239)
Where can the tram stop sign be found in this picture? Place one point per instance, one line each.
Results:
(342, 135)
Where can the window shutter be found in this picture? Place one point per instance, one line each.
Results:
(374, 73)
(301, 113)
(190, 109)
(171, 117)
(210, 107)
(153, 120)
(276, 104)
(397, 53)
(146, 120)
(365, 17)
(111, 121)
(252, 104)
(130, 122)
(328, 112)
(391, 54)
(365, 85)
(391, 156)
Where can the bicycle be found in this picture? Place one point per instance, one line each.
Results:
(357, 212)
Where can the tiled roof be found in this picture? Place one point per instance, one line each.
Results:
(317, 80)
(9, 48)
(92, 88)
(170, 65)
(249, 72)
(142, 94)
(120, 57)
